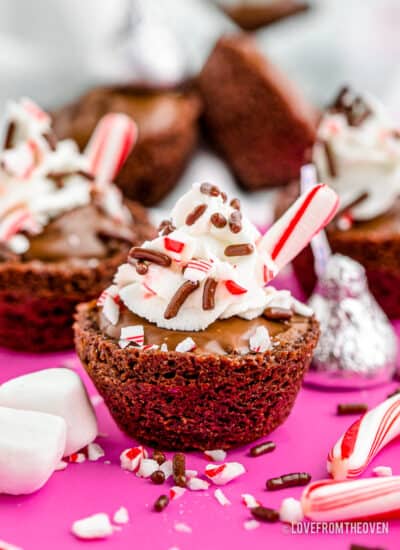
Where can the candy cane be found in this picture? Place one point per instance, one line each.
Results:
(16, 221)
(298, 225)
(364, 439)
(110, 145)
(360, 499)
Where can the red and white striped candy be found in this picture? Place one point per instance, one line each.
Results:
(176, 492)
(234, 288)
(364, 439)
(34, 111)
(197, 270)
(249, 500)
(131, 458)
(260, 341)
(216, 455)
(110, 301)
(224, 473)
(77, 458)
(147, 467)
(376, 498)
(110, 145)
(133, 334)
(16, 221)
(298, 225)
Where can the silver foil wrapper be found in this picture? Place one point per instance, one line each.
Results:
(357, 346)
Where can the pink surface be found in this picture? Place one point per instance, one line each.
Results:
(43, 520)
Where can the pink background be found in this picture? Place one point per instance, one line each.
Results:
(43, 520)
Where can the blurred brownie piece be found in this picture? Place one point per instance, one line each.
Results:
(254, 114)
(168, 131)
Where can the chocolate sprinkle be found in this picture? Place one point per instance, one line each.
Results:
(288, 480)
(148, 255)
(210, 286)
(8, 140)
(179, 298)
(268, 515)
(159, 457)
(161, 503)
(235, 203)
(351, 408)
(166, 227)
(158, 477)
(239, 249)
(224, 196)
(330, 159)
(178, 469)
(209, 189)
(351, 106)
(262, 449)
(278, 313)
(86, 175)
(195, 214)
(218, 220)
(235, 221)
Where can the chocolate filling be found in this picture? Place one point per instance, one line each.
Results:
(84, 232)
(222, 337)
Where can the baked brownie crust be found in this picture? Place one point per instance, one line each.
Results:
(253, 113)
(173, 400)
(38, 299)
(168, 132)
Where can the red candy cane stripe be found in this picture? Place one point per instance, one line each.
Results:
(134, 333)
(361, 499)
(15, 222)
(294, 230)
(110, 145)
(34, 110)
(358, 446)
(173, 246)
(234, 288)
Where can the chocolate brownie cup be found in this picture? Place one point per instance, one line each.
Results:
(189, 348)
(168, 131)
(254, 114)
(61, 237)
(358, 154)
(253, 14)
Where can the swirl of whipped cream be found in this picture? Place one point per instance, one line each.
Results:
(359, 158)
(40, 177)
(204, 265)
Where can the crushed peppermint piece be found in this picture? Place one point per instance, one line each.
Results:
(133, 334)
(224, 473)
(164, 347)
(188, 344)
(121, 516)
(249, 500)
(131, 458)
(221, 498)
(191, 473)
(60, 466)
(251, 524)
(147, 467)
(291, 511)
(197, 270)
(94, 452)
(382, 471)
(217, 455)
(182, 527)
(197, 484)
(167, 468)
(176, 492)
(97, 526)
(77, 458)
(260, 340)
(111, 304)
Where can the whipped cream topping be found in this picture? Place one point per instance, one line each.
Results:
(41, 178)
(357, 153)
(204, 265)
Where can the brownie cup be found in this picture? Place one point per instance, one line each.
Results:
(254, 114)
(61, 235)
(196, 400)
(253, 15)
(189, 346)
(168, 131)
(357, 152)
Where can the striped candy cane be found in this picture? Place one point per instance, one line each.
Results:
(359, 499)
(110, 145)
(364, 439)
(16, 221)
(299, 224)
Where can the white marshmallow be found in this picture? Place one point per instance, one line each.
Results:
(31, 447)
(57, 391)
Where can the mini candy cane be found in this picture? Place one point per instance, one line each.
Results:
(224, 473)
(375, 498)
(319, 244)
(110, 301)
(110, 145)
(300, 223)
(364, 439)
